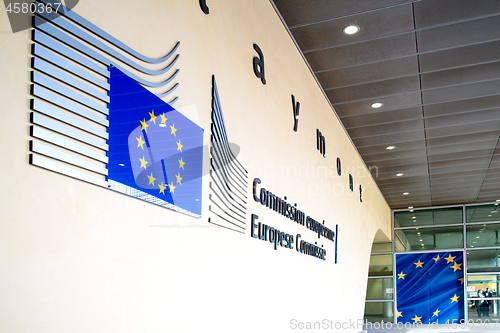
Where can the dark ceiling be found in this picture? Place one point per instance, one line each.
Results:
(435, 67)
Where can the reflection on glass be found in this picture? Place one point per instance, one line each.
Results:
(430, 238)
(481, 311)
(375, 312)
(485, 213)
(428, 217)
(482, 235)
(481, 282)
(483, 260)
(380, 265)
(379, 289)
(381, 247)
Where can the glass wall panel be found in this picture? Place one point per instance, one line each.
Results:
(482, 312)
(428, 217)
(380, 265)
(432, 238)
(481, 282)
(484, 213)
(381, 247)
(379, 289)
(483, 260)
(483, 235)
(375, 312)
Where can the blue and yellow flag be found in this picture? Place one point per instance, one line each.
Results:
(155, 152)
(430, 287)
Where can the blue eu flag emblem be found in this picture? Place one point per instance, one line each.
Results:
(155, 152)
(430, 287)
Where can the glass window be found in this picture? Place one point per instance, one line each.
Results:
(381, 247)
(483, 260)
(375, 312)
(428, 217)
(432, 238)
(481, 235)
(380, 265)
(379, 289)
(483, 312)
(481, 282)
(484, 213)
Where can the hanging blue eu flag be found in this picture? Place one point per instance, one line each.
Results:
(155, 152)
(430, 287)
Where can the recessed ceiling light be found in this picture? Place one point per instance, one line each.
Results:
(489, 215)
(496, 204)
(413, 217)
(406, 193)
(411, 207)
(472, 246)
(376, 105)
(418, 233)
(390, 147)
(399, 174)
(498, 200)
(411, 210)
(420, 240)
(121, 164)
(351, 29)
(477, 236)
(422, 244)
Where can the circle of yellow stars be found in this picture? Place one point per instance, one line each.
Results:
(141, 142)
(456, 266)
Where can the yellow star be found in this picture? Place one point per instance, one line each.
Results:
(163, 119)
(461, 280)
(173, 129)
(400, 314)
(143, 162)
(179, 146)
(179, 178)
(449, 259)
(456, 266)
(436, 313)
(153, 117)
(162, 188)
(144, 126)
(172, 187)
(416, 319)
(455, 298)
(419, 264)
(401, 275)
(436, 259)
(181, 164)
(151, 179)
(140, 142)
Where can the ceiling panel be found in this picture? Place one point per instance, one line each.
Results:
(393, 156)
(387, 69)
(468, 105)
(375, 89)
(382, 129)
(459, 34)
(401, 101)
(461, 155)
(463, 118)
(461, 92)
(462, 75)
(444, 150)
(464, 129)
(463, 139)
(401, 147)
(460, 56)
(296, 12)
(362, 53)
(389, 138)
(375, 24)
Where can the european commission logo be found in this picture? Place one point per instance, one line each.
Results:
(155, 152)
(96, 117)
